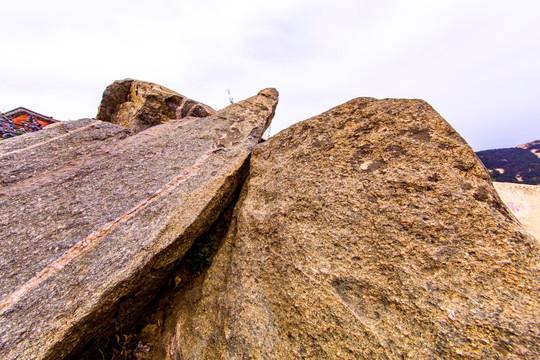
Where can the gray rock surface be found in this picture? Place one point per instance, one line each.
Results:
(368, 232)
(93, 220)
(138, 105)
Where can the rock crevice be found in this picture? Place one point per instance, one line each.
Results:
(370, 231)
(112, 221)
(326, 256)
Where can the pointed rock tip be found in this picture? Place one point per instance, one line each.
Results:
(269, 92)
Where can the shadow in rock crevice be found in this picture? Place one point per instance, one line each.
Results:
(134, 334)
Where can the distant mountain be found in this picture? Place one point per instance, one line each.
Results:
(519, 165)
(533, 146)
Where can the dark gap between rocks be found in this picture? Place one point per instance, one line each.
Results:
(134, 341)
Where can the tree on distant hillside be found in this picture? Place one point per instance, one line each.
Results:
(511, 165)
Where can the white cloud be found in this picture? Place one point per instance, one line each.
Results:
(474, 61)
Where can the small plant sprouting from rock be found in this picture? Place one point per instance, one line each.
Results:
(200, 254)
(231, 100)
(121, 347)
(123, 351)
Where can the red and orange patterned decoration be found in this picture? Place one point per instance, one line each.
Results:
(22, 120)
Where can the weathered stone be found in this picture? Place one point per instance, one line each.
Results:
(524, 202)
(42, 154)
(138, 105)
(368, 232)
(54, 132)
(93, 220)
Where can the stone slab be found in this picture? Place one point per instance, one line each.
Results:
(105, 222)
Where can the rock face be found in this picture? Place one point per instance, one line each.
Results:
(371, 231)
(524, 202)
(93, 220)
(138, 105)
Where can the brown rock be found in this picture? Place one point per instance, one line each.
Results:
(138, 105)
(524, 202)
(92, 221)
(368, 232)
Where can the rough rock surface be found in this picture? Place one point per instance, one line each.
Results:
(139, 105)
(524, 202)
(92, 220)
(371, 231)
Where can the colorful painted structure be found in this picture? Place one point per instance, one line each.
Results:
(22, 120)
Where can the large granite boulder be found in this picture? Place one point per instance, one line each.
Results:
(524, 202)
(371, 231)
(93, 220)
(138, 105)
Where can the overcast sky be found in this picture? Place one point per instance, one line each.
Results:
(476, 62)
